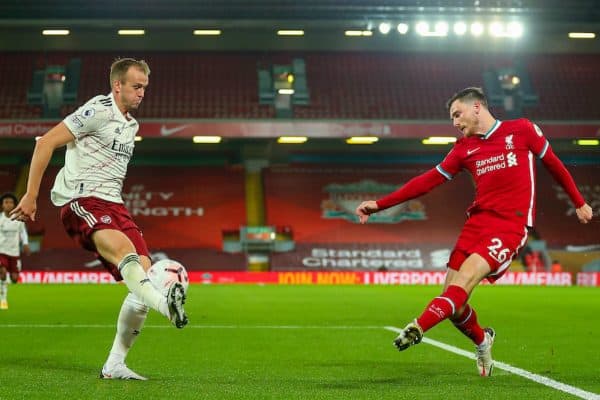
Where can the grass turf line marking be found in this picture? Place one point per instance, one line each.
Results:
(113, 326)
(497, 364)
(563, 387)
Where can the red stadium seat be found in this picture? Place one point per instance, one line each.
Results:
(341, 85)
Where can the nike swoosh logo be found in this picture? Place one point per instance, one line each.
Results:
(469, 152)
(164, 131)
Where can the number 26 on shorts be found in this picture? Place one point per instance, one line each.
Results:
(496, 251)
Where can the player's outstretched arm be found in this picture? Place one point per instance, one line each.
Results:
(44, 147)
(564, 178)
(415, 187)
(584, 213)
(365, 209)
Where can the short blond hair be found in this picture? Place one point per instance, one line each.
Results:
(120, 66)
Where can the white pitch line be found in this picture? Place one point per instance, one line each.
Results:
(101, 326)
(497, 364)
(563, 387)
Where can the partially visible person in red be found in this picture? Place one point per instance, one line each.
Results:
(533, 261)
(500, 156)
(556, 266)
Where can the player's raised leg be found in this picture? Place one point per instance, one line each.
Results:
(458, 288)
(116, 248)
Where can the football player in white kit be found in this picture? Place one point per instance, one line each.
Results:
(100, 139)
(13, 234)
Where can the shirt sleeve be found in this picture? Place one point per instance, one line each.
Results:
(563, 177)
(87, 119)
(416, 187)
(451, 164)
(23, 235)
(536, 141)
(539, 145)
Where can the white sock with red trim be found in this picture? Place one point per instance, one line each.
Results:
(138, 283)
(129, 325)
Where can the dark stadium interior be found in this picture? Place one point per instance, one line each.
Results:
(265, 125)
(383, 80)
(343, 85)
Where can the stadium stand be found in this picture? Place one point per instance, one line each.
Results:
(171, 210)
(179, 218)
(315, 200)
(16, 73)
(342, 85)
(8, 178)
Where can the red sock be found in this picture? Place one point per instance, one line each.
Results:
(442, 307)
(467, 324)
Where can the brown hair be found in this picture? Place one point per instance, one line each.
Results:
(120, 66)
(468, 94)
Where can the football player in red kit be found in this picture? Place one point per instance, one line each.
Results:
(500, 156)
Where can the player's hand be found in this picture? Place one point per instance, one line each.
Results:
(584, 213)
(26, 250)
(25, 210)
(365, 209)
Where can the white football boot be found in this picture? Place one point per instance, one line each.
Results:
(176, 300)
(483, 353)
(412, 334)
(120, 371)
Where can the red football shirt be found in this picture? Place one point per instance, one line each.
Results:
(502, 163)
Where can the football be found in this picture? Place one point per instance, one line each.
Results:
(164, 272)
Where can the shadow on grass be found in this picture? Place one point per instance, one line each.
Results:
(31, 363)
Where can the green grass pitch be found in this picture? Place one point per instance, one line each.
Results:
(295, 342)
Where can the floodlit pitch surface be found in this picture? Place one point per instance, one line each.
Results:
(299, 342)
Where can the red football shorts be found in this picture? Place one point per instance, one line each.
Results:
(10, 263)
(495, 239)
(82, 217)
